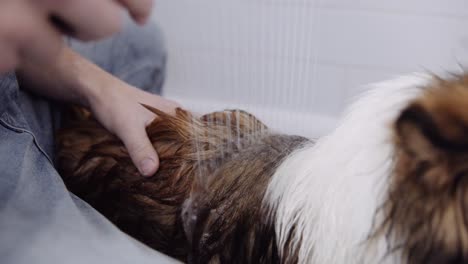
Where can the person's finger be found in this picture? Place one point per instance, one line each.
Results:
(88, 19)
(33, 37)
(8, 45)
(9, 57)
(140, 10)
(42, 44)
(141, 150)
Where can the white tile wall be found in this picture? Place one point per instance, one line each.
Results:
(303, 56)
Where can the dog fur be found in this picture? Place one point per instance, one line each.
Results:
(388, 185)
(204, 203)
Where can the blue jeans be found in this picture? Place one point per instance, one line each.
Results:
(40, 221)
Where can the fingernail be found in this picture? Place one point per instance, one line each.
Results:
(141, 20)
(147, 166)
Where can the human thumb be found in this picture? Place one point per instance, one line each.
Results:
(141, 150)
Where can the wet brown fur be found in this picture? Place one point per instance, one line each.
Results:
(426, 212)
(204, 205)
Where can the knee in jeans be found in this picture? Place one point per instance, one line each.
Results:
(143, 54)
(146, 43)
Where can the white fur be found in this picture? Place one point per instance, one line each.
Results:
(330, 191)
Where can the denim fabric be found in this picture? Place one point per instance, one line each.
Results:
(40, 221)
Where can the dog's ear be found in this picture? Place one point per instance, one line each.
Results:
(415, 132)
(425, 132)
(432, 143)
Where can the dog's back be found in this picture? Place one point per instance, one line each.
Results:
(205, 202)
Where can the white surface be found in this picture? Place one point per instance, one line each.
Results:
(304, 56)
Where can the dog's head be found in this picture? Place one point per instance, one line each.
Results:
(427, 206)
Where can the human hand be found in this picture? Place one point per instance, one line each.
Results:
(28, 28)
(117, 106)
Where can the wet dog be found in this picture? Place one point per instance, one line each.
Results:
(205, 202)
(386, 186)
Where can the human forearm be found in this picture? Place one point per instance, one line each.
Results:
(69, 78)
(73, 78)
(116, 104)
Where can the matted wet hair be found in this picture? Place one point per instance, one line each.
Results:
(204, 205)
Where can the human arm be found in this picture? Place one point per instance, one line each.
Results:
(31, 43)
(114, 103)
